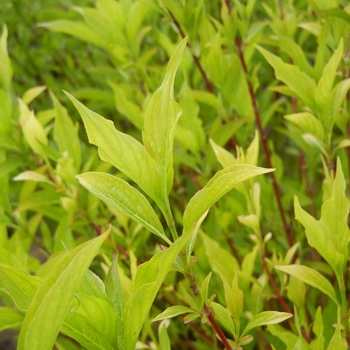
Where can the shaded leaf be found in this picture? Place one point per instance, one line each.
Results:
(311, 277)
(297, 81)
(266, 318)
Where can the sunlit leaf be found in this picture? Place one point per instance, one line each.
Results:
(10, 318)
(19, 284)
(66, 133)
(173, 311)
(307, 123)
(160, 121)
(149, 277)
(51, 302)
(222, 182)
(32, 93)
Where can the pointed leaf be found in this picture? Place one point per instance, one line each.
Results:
(337, 342)
(149, 277)
(221, 183)
(20, 285)
(307, 123)
(319, 236)
(66, 133)
(173, 311)
(221, 261)
(129, 109)
(10, 318)
(311, 277)
(335, 211)
(77, 29)
(223, 316)
(266, 318)
(51, 302)
(160, 121)
(121, 150)
(32, 93)
(114, 290)
(291, 75)
(5, 67)
(75, 326)
(122, 196)
(33, 130)
(98, 314)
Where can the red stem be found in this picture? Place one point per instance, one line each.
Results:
(217, 328)
(273, 284)
(207, 82)
(280, 8)
(276, 188)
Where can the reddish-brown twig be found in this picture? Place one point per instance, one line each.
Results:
(275, 186)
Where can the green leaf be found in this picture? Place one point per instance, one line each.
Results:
(223, 316)
(5, 67)
(149, 277)
(325, 83)
(314, 142)
(237, 298)
(75, 327)
(297, 81)
(98, 314)
(334, 100)
(122, 196)
(220, 260)
(32, 129)
(287, 337)
(66, 133)
(173, 311)
(311, 277)
(301, 344)
(164, 340)
(51, 302)
(189, 130)
(317, 328)
(320, 237)
(9, 259)
(224, 157)
(335, 211)
(10, 318)
(20, 285)
(296, 53)
(127, 108)
(221, 183)
(32, 93)
(93, 285)
(203, 291)
(160, 120)
(40, 198)
(114, 290)
(307, 123)
(266, 318)
(77, 29)
(122, 151)
(337, 342)
(32, 176)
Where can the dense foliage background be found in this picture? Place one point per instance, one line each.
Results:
(260, 84)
